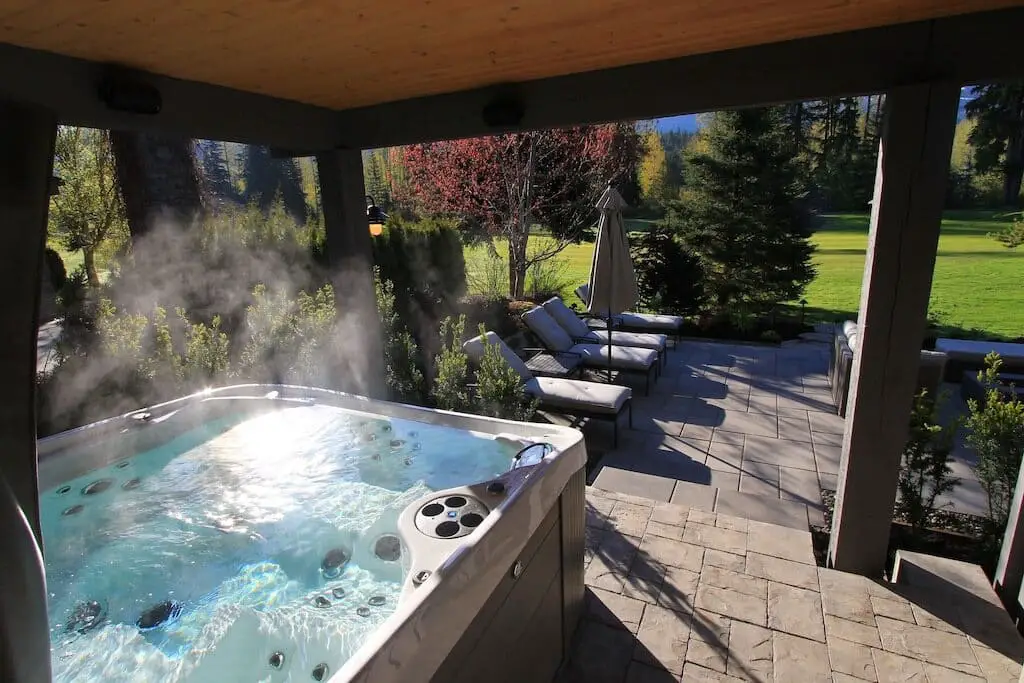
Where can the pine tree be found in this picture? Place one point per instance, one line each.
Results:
(745, 216)
(998, 135)
(267, 178)
(217, 183)
(375, 176)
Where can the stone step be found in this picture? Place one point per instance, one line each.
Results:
(750, 506)
(960, 595)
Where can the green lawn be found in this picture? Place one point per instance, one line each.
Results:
(977, 280)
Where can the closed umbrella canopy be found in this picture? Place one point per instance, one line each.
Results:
(612, 279)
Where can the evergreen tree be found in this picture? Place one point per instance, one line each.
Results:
(745, 216)
(267, 178)
(217, 183)
(998, 135)
(375, 177)
(674, 142)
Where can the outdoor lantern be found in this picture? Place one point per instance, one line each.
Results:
(375, 217)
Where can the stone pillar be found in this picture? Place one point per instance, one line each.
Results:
(26, 162)
(360, 369)
(906, 213)
(1010, 570)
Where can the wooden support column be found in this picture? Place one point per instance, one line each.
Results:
(360, 367)
(26, 163)
(906, 213)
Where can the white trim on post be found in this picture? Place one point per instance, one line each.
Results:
(906, 213)
(360, 366)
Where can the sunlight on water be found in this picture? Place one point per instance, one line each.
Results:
(247, 557)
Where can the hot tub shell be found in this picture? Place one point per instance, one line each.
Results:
(471, 606)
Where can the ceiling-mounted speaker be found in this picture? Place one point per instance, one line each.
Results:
(125, 92)
(504, 111)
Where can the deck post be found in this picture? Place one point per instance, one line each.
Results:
(360, 367)
(906, 214)
(26, 164)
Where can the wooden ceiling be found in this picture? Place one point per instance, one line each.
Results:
(361, 52)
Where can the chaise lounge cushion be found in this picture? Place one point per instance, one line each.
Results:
(623, 357)
(547, 330)
(556, 339)
(654, 322)
(572, 324)
(474, 348)
(571, 394)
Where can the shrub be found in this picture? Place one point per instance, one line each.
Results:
(289, 340)
(771, 337)
(669, 278)
(489, 277)
(547, 278)
(452, 368)
(500, 388)
(925, 474)
(401, 355)
(422, 260)
(996, 433)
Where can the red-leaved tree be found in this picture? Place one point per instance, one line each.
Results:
(503, 184)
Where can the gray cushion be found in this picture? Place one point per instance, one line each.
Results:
(623, 357)
(574, 394)
(550, 332)
(474, 348)
(643, 340)
(566, 317)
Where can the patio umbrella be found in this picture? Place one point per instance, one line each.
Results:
(612, 279)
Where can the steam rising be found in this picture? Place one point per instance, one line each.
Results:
(209, 269)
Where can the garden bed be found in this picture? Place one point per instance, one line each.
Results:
(950, 534)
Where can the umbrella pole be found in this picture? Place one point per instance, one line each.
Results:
(611, 288)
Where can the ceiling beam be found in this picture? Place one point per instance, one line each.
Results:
(70, 88)
(965, 49)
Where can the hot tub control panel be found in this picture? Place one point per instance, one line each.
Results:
(451, 516)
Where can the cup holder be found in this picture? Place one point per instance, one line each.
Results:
(450, 516)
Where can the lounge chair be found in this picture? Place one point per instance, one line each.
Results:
(557, 340)
(569, 396)
(581, 333)
(634, 322)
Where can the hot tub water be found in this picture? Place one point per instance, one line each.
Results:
(252, 549)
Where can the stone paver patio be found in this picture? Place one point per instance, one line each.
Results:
(744, 430)
(677, 593)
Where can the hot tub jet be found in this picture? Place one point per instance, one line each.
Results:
(86, 616)
(334, 561)
(158, 615)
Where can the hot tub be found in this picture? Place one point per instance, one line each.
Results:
(273, 533)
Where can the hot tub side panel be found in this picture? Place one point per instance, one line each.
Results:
(523, 631)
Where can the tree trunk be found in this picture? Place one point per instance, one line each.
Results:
(89, 261)
(517, 264)
(1013, 170)
(159, 179)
